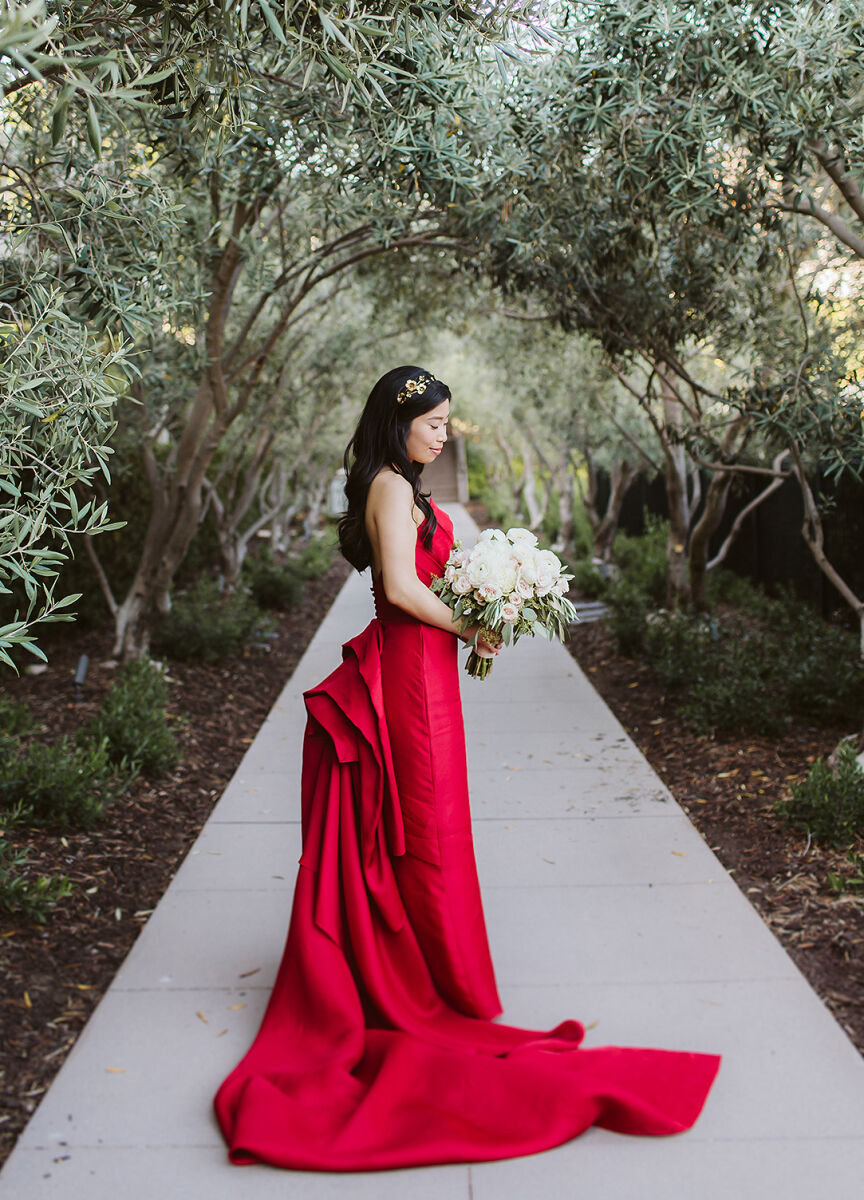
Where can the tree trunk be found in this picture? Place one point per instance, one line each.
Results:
(814, 535)
(621, 477)
(534, 510)
(564, 487)
(712, 514)
(677, 577)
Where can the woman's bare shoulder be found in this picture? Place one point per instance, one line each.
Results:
(388, 488)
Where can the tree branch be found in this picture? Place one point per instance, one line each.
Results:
(776, 482)
(833, 166)
(104, 585)
(836, 224)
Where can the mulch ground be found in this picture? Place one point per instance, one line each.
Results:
(54, 974)
(728, 787)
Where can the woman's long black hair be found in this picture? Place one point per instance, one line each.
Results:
(379, 441)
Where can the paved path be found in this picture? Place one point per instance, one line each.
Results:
(603, 903)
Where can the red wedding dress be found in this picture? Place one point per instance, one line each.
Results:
(378, 1047)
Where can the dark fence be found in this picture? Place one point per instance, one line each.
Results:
(770, 548)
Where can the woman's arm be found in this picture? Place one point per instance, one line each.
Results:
(389, 512)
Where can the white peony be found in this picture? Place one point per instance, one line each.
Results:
(521, 536)
(478, 570)
(504, 573)
(490, 535)
(509, 612)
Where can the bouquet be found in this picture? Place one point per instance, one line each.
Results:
(510, 587)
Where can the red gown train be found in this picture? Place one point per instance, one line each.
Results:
(378, 1047)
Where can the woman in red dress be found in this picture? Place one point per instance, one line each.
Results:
(378, 1048)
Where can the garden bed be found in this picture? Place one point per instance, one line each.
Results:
(728, 785)
(54, 974)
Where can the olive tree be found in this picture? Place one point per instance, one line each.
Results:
(317, 138)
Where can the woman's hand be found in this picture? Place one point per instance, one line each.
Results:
(486, 649)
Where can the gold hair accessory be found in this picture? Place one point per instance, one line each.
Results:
(414, 387)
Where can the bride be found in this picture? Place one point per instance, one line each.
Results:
(378, 1048)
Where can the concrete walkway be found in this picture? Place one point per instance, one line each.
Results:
(603, 903)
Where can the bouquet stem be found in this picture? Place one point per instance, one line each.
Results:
(478, 666)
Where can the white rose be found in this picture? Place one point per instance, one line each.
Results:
(524, 589)
(521, 536)
(488, 592)
(509, 612)
(515, 598)
(562, 587)
(490, 535)
(547, 559)
(528, 572)
(462, 585)
(450, 572)
(545, 580)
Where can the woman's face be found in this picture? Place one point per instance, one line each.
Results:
(427, 434)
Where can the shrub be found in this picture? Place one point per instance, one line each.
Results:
(727, 673)
(67, 785)
(725, 587)
(588, 581)
(132, 720)
(823, 674)
(735, 690)
(273, 584)
(676, 645)
(643, 559)
(15, 717)
(849, 883)
(829, 804)
(627, 616)
(317, 556)
(32, 897)
(207, 624)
